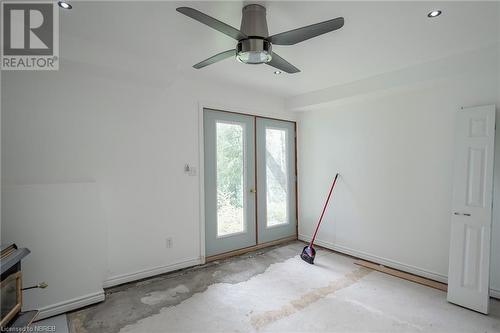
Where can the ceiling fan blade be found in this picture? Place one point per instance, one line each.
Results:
(212, 22)
(215, 58)
(281, 64)
(301, 34)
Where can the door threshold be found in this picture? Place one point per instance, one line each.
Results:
(229, 254)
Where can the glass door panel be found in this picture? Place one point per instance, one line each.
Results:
(276, 177)
(230, 178)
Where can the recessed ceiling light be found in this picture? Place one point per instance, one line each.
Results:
(434, 13)
(277, 72)
(64, 5)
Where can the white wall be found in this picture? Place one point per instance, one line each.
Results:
(64, 228)
(132, 138)
(394, 151)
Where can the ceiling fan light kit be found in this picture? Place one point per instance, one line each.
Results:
(254, 51)
(254, 43)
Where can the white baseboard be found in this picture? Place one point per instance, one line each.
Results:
(69, 305)
(387, 262)
(129, 277)
(80, 302)
(379, 260)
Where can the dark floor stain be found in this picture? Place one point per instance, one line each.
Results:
(123, 305)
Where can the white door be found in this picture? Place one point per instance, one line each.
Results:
(469, 270)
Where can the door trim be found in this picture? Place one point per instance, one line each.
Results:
(201, 165)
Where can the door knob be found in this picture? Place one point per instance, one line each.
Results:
(252, 190)
(463, 214)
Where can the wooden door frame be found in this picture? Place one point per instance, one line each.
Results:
(201, 174)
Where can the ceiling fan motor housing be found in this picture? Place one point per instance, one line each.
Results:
(253, 21)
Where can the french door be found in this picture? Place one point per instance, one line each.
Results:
(276, 200)
(250, 181)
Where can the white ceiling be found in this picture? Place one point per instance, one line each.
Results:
(151, 38)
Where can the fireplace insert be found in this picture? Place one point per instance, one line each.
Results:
(11, 283)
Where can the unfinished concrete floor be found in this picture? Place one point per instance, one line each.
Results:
(273, 290)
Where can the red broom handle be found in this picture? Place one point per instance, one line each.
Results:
(324, 209)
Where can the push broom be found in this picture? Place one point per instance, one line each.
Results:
(308, 253)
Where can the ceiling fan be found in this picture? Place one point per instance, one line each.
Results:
(254, 43)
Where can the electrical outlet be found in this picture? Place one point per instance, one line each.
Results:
(169, 242)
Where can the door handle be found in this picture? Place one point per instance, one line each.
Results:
(252, 190)
(463, 214)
